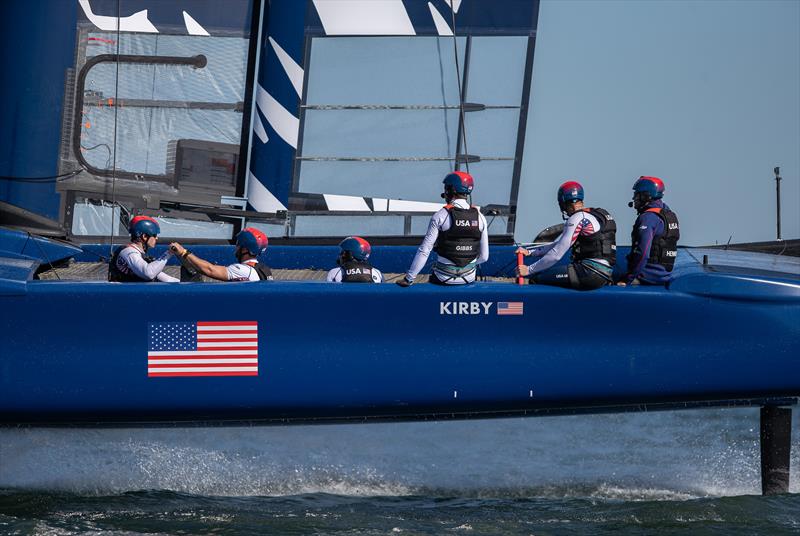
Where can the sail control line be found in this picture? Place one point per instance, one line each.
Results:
(462, 118)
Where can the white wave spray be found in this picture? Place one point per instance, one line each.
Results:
(654, 456)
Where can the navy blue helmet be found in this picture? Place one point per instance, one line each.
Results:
(357, 247)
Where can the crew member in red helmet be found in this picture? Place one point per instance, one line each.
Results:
(131, 264)
(250, 243)
(589, 236)
(457, 232)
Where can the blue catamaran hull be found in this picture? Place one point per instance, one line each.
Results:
(77, 352)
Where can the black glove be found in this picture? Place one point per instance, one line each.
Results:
(405, 282)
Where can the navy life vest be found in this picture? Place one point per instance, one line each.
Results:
(460, 244)
(117, 275)
(354, 271)
(600, 245)
(664, 249)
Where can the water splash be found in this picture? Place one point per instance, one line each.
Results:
(655, 456)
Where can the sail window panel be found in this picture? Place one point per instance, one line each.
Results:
(493, 133)
(95, 218)
(180, 228)
(384, 70)
(143, 148)
(98, 43)
(221, 80)
(380, 133)
(308, 225)
(151, 106)
(496, 70)
(413, 181)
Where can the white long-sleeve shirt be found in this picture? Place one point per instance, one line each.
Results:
(579, 223)
(131, 259)
(441, 221)
(243, 271)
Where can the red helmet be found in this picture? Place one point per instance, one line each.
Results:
(143, 225)
(458, 182)
(569, 192)
(252, 240)
(357, 247)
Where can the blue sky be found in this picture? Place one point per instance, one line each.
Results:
(704, 94)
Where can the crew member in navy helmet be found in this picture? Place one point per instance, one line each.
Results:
(654, 240)
(590, 233)
(131, 264)
(458, 234)
(250, 243)
(353, 266)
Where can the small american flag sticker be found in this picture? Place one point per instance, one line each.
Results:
(202, 349)
(510, 308)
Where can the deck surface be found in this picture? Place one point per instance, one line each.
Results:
(98, 271)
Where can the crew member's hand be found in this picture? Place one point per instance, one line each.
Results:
(522, 271)
(177, 249)
(621, 284)
(404, 282)
(525, 252)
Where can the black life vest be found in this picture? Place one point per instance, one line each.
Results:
(664, 249)
(600, 245)
(118, 275)
(354, 271)
(460, 244)
(264, 272)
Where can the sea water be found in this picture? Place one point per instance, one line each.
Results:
(684, 472)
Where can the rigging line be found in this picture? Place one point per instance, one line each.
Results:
(43, 180)
(393, 158)
(460, 92)
(46, 257)
(114, 168)
(413, 107)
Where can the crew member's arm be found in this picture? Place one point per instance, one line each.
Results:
(646, 231)
(377, 276)
(334, 275)
(148, 270)
(535, 251)
(484, 253)
(425, 248)
(572, 228)
(220, 273)
(166, 278)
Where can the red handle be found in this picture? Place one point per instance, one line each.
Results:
(520, 279)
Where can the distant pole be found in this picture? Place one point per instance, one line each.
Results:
(777, 172)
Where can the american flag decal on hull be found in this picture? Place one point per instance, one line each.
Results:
(202, 349)
(510, 308)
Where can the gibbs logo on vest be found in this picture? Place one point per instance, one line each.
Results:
(460, 242)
